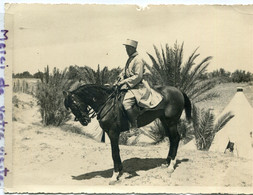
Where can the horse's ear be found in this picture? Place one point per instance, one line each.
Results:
(65, 93)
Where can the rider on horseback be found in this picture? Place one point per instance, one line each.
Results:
(138, 90)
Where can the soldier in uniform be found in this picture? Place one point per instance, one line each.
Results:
(138, 90)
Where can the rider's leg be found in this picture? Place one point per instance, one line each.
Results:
(128, 103)
(132, 116)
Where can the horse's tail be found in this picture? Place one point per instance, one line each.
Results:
(187, 107)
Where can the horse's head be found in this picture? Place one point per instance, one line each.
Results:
(80, 109)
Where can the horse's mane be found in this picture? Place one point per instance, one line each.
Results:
(91, 88)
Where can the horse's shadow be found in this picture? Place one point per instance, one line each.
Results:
(131, 166)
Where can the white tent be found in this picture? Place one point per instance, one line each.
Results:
(238, 130)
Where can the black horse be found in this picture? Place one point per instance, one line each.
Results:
(90, 100)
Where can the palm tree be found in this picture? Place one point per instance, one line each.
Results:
(90, 76)
(205, 127)
(168, 69)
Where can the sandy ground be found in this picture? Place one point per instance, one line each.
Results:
(57, 156)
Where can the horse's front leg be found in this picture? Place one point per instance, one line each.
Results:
(117, 172)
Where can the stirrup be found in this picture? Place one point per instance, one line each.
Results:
(134, 126)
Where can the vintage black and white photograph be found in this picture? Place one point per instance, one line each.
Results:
(121, 98)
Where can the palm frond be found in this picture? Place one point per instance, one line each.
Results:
(154, 63)
(199, 92)
(186, 69)
(195, 116)
(206, 124)
(158, 55)
(196, 73)
(163, 55)
(223, 120)
(168, 68)
(203, 124)
(206, 97)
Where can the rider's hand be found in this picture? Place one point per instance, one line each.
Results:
(124, 87)
(119, 84)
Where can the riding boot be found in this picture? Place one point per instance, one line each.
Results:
(132, 117)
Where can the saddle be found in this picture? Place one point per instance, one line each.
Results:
(140, 109)
(158, 107)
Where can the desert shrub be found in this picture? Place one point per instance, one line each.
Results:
(50, 99)
(20, 85)
(15, 101)
(156, 133)
(124, 136)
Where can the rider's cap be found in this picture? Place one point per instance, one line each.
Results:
(131, 43)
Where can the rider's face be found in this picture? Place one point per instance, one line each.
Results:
(130, 50)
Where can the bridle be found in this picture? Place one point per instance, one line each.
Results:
(89, 113)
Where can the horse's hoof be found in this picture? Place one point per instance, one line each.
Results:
(164, 166)
(115, 178)
(113, 182)
(170, 170)
(171, 166)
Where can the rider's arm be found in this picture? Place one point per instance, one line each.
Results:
(137, 74)
(120, 77)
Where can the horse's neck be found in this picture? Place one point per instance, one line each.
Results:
(96, 97)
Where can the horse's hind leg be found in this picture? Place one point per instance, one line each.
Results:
(174, 137)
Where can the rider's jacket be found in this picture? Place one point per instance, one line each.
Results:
(132, 76)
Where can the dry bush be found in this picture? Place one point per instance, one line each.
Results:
(50, 99)
(185, 130)
(124, 136)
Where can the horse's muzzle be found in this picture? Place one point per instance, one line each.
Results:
(83, 122)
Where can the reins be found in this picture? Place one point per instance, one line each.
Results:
(103, 106)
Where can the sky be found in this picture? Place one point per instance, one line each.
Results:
(63, 35)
